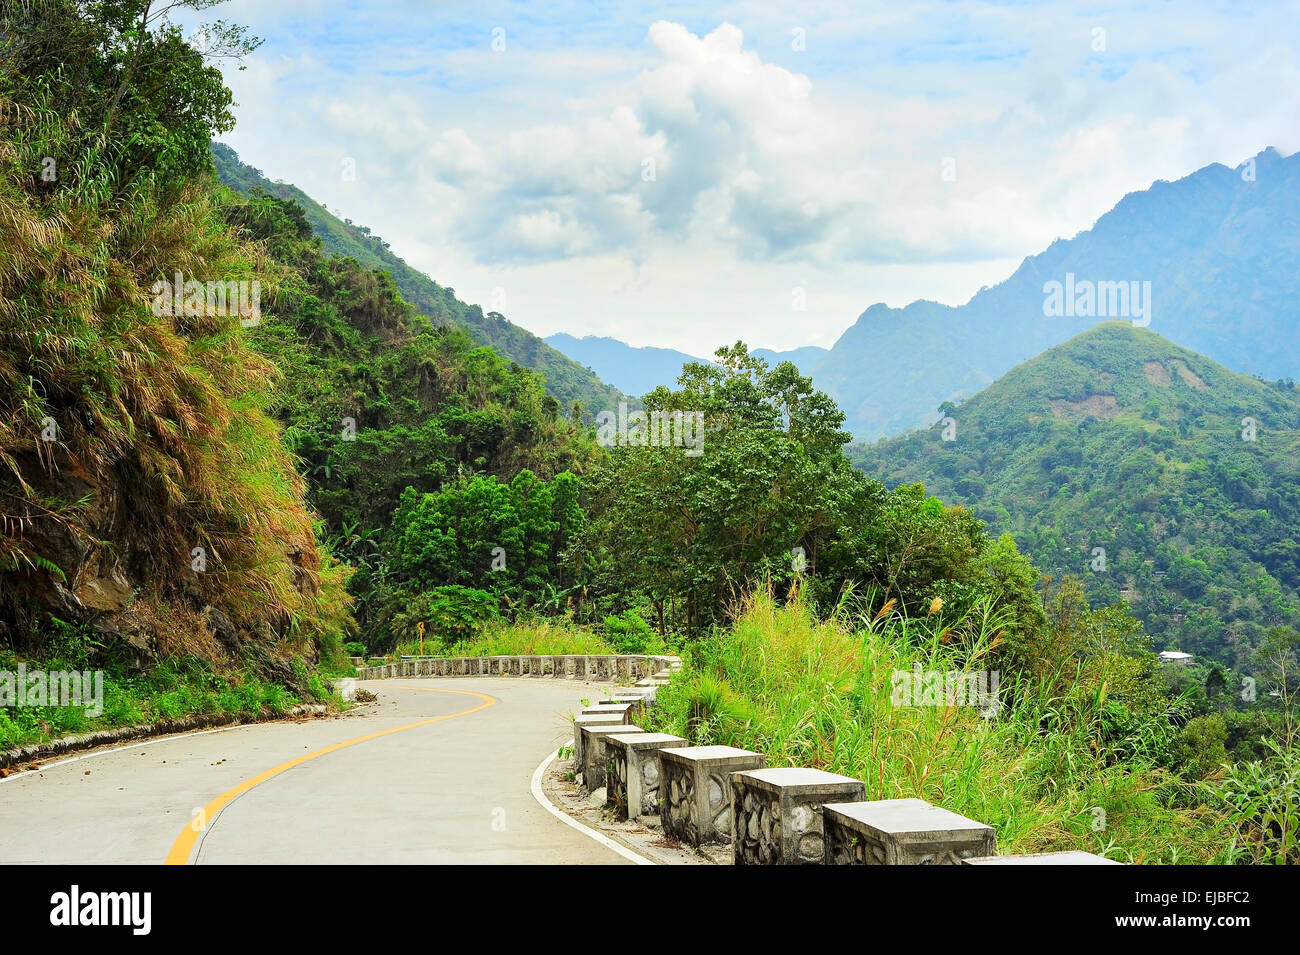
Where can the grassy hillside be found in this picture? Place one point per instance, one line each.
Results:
(149, 509)
(1121, 440)
(822, 694)
(376, 402)
(566, 380)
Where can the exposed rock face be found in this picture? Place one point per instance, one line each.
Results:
(100, 584)
(88, 548)
(221, 628)
(106, 583)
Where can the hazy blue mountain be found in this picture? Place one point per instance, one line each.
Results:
(640, 370)
(1221, 252)
(634, 370)
(805, 358)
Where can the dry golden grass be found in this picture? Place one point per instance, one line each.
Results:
(162, 432)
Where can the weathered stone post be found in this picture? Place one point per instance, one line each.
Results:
(776, 815)
(594, 765)
(695, 790)
(633, 780)
(901, 832)
(636, 701)
(624, 709)
(591, 719)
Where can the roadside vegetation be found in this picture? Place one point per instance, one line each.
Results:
(1070, 760)
(213, 513)
(171, 688)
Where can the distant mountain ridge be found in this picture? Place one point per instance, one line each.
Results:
(805, 358)
(640, 369)
(636, 371)
(1220, 249)
(566, 380)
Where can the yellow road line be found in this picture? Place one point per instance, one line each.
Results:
(184, 844)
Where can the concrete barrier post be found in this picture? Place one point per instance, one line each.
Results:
(902, 832)
(695, 790)
(636, 702)
(632, 783)
(590, 719)
(622, 709)
(595, 761)
(776, 816)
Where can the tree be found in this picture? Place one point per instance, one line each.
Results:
(770, 497)
(1276, 659)
(134, 99)
(1199, 751)
(452, 613)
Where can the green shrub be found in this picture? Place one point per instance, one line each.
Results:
(629, 633)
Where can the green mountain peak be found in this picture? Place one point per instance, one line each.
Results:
(1163, 477)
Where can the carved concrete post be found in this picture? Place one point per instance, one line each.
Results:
(776, 814)
(902, 832)
(594, 765)
(632, 782)
(695, 790)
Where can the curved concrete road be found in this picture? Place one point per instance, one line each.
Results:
(437, 771)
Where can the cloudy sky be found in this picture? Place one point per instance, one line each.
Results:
(670, 174)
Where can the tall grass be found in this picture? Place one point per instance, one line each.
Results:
(819, 694)
(526, 637)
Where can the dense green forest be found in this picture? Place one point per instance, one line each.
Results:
(227, 498)
(376, 401)
(1163, 478)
